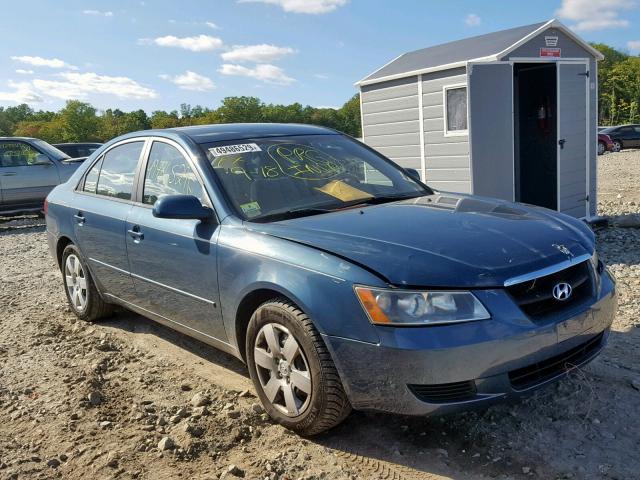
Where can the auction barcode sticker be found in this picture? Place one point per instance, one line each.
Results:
(231, 149)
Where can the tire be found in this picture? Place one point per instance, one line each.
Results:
(324, 404)
(83, 297)
(617, 145)
(601, 148)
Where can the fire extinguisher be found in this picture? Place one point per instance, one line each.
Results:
(543, 117)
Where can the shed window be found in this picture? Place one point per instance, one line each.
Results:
(456, 110)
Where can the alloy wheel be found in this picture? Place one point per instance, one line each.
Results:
(76, 282)
(283, 370)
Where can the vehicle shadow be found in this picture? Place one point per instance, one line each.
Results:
(136, 325)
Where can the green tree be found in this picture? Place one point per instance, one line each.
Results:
(241, 109)
(80, 123)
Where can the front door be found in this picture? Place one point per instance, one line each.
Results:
(572, 138)
(27, 175)
(174, 262)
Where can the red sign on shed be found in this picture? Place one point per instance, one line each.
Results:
(549, 52)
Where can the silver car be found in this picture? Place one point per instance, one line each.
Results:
(29, 169)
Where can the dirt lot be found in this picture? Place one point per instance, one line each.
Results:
(85, 401)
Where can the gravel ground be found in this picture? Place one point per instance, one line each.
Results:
(130, 399)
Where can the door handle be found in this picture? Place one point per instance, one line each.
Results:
(135, 233)
(79, 218)
(561, 142)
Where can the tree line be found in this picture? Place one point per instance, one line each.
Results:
(618, 87)
(81, 122)
(619, 102)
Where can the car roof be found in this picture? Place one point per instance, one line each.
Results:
(238, 131)
(23, 139)
(76, 143)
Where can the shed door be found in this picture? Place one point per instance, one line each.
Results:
(572, 138)
(491, 134)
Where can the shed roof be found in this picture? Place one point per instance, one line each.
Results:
(490, 46)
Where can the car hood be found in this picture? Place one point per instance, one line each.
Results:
(442, 240)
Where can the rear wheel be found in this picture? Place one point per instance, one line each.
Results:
(292, 370)
(82, 295)
(617, 145)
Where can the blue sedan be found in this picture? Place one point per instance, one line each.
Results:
(342, 280)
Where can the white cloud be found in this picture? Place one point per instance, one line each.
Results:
(80, 85)
(200, 43)
(43, 62)
(22, 71)
(212, 25)
(22, 93)
(321, 76)
(472, 20)
(303, 6)
(191, 81)
(256, 53)
(263, 72)
(634, 45)
(592, 15)
(98, 13)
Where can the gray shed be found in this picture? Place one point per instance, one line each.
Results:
(510, 114)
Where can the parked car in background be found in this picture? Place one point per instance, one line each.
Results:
(29, 169)
(605, 143)
(76, 150)
(340, 279)
(624, 136)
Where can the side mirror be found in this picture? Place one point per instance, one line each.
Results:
(182, 207)
(41, 159)
(413, 173)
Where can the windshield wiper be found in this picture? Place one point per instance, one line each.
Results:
(291, 213)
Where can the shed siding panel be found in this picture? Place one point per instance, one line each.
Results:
(389, 117)
(452, 186)
(412, 126)
(569, 48)
(446, 158)
(391, 120)
(391, 105)
(393, 140)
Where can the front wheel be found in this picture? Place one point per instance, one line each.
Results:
(292, 370)
(617, 145)
(83, 297)
(601, 148)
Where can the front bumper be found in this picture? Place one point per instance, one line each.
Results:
(487, 355)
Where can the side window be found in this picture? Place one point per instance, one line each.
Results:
(169, 173)
(455, 110)
(91, 179)
(18, 154)
(118, 169)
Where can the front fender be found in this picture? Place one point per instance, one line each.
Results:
(319, 283)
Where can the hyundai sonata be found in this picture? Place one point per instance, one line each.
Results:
(341, 279)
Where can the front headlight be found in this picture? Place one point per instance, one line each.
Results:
(403, 307)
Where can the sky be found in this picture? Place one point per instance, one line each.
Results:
(158, 54)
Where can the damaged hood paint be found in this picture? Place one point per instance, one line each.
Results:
(444, 240)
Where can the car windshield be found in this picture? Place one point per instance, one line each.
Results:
(282, 177)
(50, 150)
(608, 130)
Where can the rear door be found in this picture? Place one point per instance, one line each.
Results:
(103, 204)
(174, 262)
(572, 138)
(27, 174)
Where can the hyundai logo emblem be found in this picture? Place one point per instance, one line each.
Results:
(562, 291)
